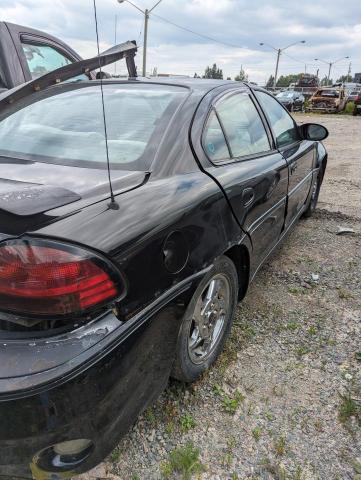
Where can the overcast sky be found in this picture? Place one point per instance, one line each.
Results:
(332, 29)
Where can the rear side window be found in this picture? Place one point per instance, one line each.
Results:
(42, 59)
(213, 139)
(242, 125)
(281, 122)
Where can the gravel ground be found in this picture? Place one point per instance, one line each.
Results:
(284, 399)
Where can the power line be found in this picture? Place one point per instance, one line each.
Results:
(196, 33)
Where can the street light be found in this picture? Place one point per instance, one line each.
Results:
(330, 65)
(146, 13)
(279, 51)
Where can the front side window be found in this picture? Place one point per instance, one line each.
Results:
(42, 59)
(67, 128)
(242, 125)
(213, 139)
(281, 122)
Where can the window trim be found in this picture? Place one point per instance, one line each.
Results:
(285, 147)
(209, 113)
(240, 158)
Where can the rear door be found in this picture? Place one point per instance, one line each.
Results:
(299, 154)
(26, 54)
(252, 173)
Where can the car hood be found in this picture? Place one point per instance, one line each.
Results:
(29, 188)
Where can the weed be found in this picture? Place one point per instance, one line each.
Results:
(312, 330)
(349, 408)
(230, 404)
(343, 293)
(183, 461)
(169, 428)
(292, 326)
(149, 415)
(295, 290)
(302, 350)
(256, 433)
(358, 356)
(280, 446)
(115, 455)
(187, 422)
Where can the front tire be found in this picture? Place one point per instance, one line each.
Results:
(207, 321)
(316, 187)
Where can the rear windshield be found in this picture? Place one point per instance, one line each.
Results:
(67, 128)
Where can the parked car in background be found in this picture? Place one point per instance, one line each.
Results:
(328, 100)
(104, 296)
(353, 95)
(357, 104)
(293, 101)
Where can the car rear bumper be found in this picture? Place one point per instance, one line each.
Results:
(93, 400)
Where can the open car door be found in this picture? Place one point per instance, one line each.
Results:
(125, 51)
(26, 54)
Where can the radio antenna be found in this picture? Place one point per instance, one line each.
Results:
(113, 204)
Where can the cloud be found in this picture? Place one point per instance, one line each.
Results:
(331, 29)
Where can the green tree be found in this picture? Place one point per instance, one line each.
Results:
(242, 76)
(196, 75)
(344, 78)
(213, 72)
(324, 82)
(286, 80)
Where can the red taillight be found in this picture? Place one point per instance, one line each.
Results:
(48, 278)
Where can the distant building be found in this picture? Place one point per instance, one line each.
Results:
(357, 78)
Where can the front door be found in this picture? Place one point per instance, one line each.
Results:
(299, 154)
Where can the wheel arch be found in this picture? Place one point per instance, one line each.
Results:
(239, 254)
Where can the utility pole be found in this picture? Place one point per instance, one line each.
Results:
(330, 64)
(279, 52)
(146, 19)
(146, 14)
(349, 72)
(115, 40)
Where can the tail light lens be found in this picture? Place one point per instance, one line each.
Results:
(49, 278)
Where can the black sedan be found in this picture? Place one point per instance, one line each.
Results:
(293, 101)
(104, 296)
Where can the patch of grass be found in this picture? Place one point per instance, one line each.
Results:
(358, 356)
(349, 408)
(343, 293)
(230, 404)
(187, 422)
(183, 461)
(257, 433)
(280, 446)
(312, 330)
(295, 290)
(302, 350)
(292, 326)
(115, 455)
(149, 415)
(169, 428)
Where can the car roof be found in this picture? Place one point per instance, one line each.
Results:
(204, 84)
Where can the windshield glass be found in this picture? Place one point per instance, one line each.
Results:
(67, 128)
(327, 93)
(285, 95)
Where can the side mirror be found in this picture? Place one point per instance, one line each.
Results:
(313, 131)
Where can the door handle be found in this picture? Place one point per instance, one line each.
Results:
(247, 196)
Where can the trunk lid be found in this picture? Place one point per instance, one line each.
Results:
(28, 190)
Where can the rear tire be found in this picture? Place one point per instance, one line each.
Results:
(207, 321)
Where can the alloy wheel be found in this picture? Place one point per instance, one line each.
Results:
(209, 318)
